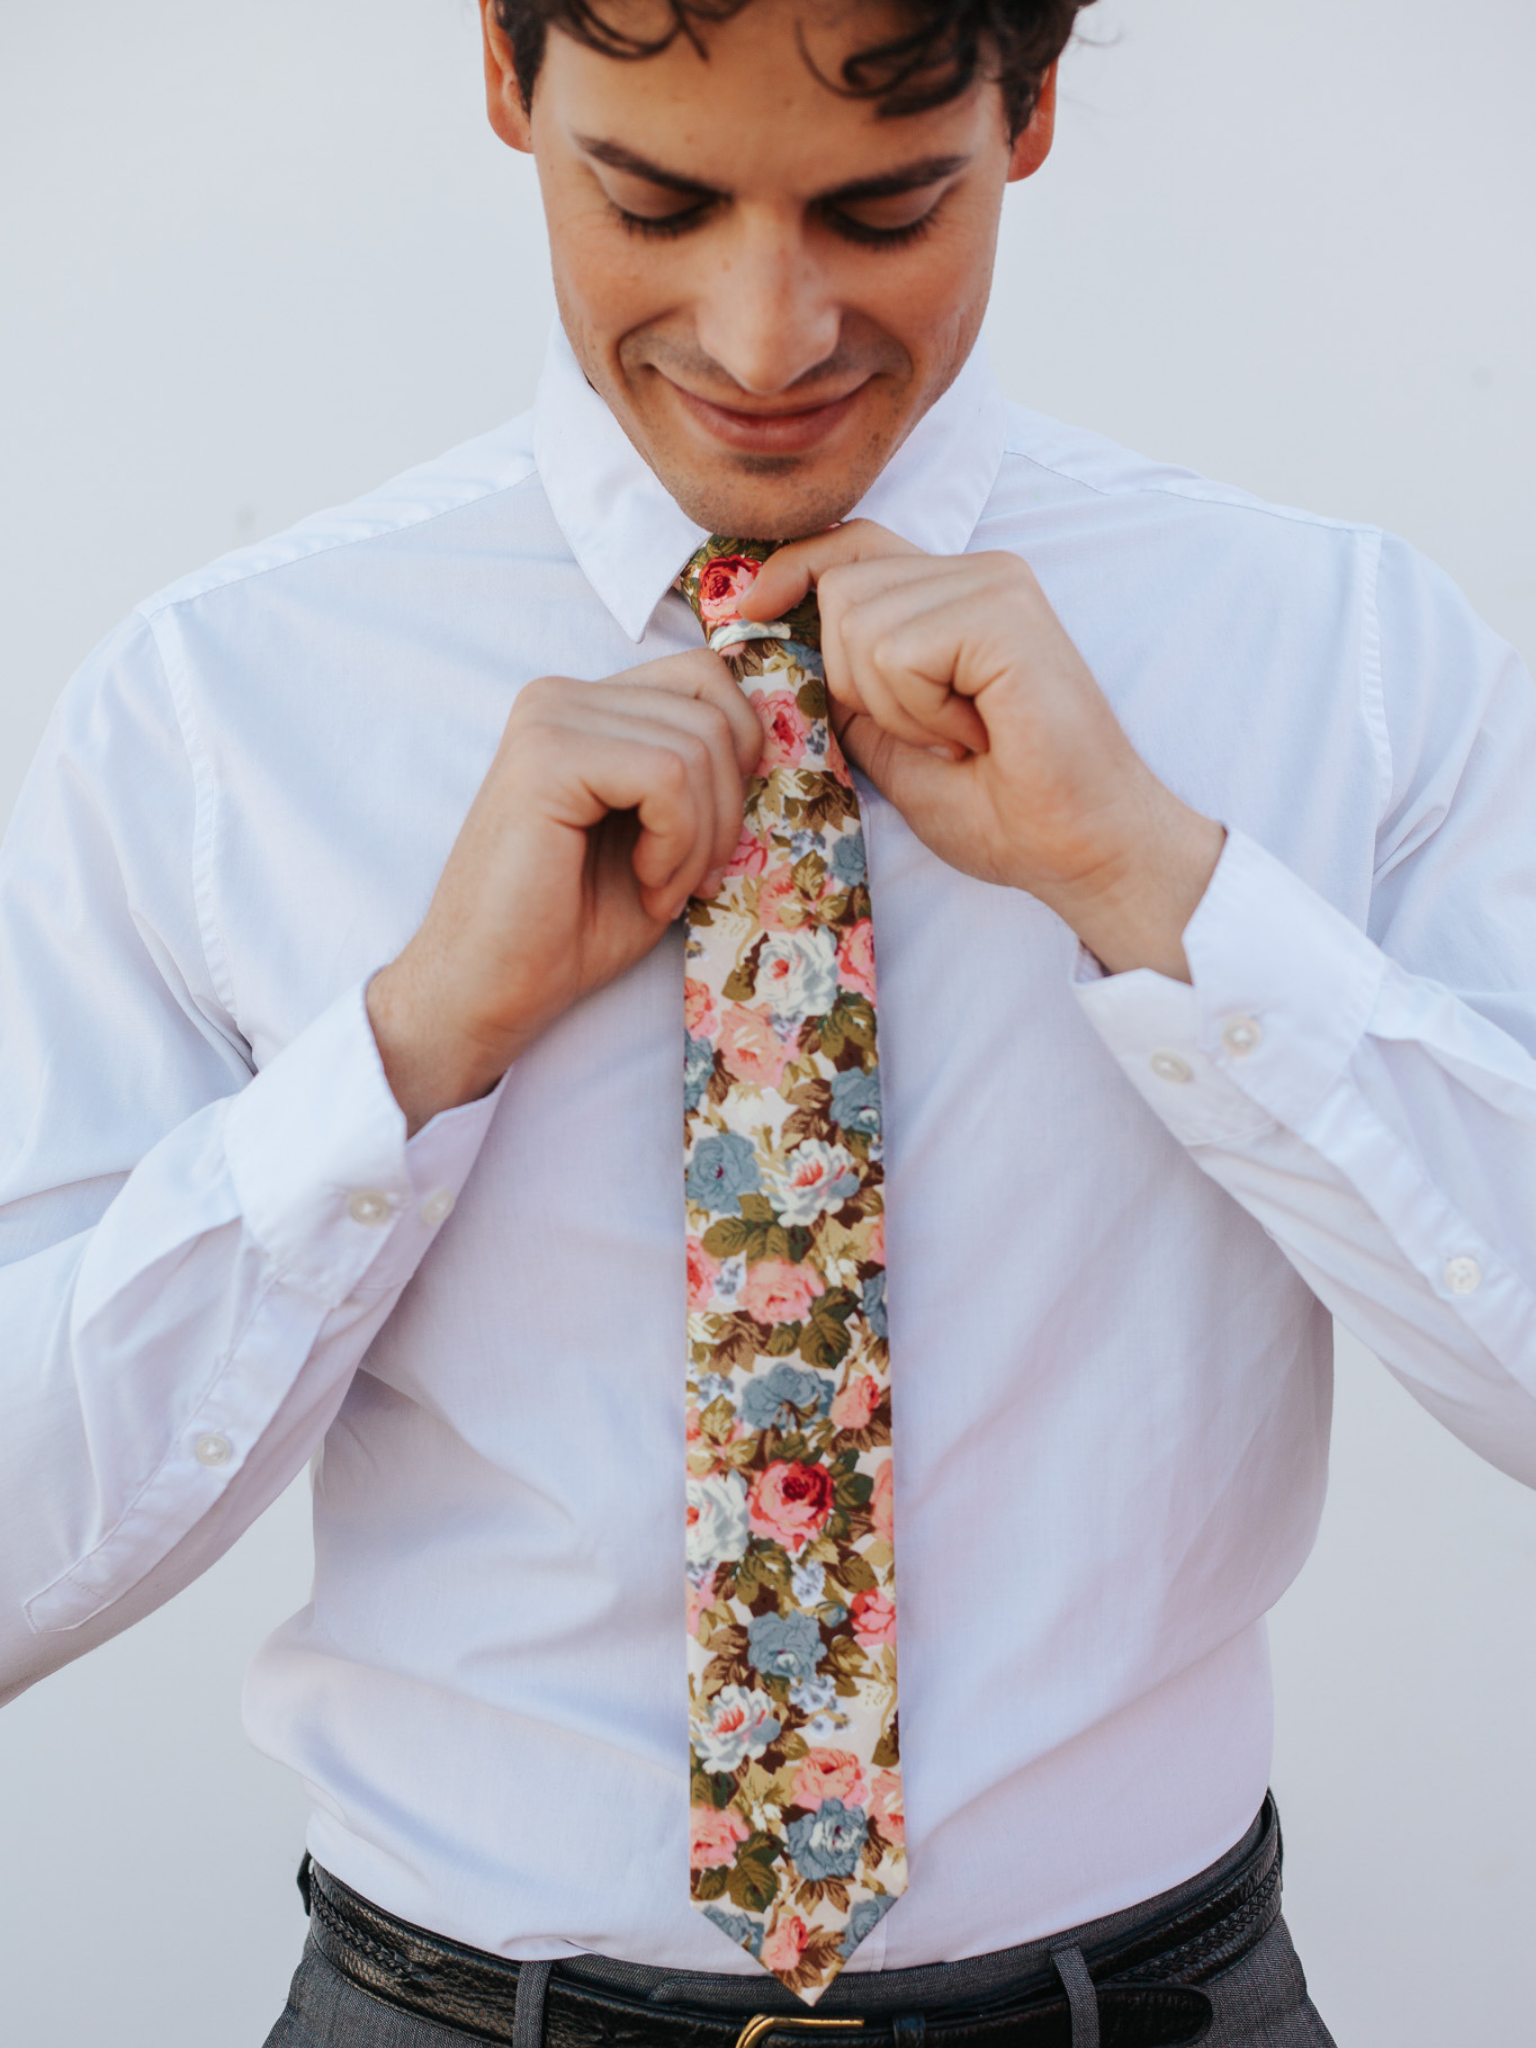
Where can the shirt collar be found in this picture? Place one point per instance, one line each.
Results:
(630, 539)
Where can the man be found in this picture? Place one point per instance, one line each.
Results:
(343, 999)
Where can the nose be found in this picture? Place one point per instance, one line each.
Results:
(767, 313)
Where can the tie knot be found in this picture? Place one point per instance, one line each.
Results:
(717, 578)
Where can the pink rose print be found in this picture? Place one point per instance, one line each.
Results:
(777, 1292)
(886, 1810)
(877, 1241)
(784, 1947)
(856, 958)
(830, 1774)
(714, 1837)
(700, 1016)
(779, 903)
(856, 1403)
(785, 732)
(701, 1275)
(790, 1504)
(723, 583)
(874, 1619)
(882, 1502)
(753, 1050)
(701, 1597)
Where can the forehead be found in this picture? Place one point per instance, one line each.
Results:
(759, 97)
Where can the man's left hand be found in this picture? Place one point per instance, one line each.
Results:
(957, 691)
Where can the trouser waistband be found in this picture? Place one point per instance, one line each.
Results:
(1129, 1980)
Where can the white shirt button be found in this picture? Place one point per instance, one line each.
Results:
(1463, 1275)
(437, 1208)
(1241, 1036)
(367, 1205)
(213, 1449)
(1168, 1066)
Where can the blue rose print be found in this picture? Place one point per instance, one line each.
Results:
(772, 1398)
(856, 1101)
(863, 1920)
(848, 863)
(741, 1927)
(784, 1646)
(828, 1843)
(874, 1304)
(698, 1065)
(723, 1169)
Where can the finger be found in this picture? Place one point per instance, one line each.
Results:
(702, 675)
(661, 719)
(583, 772)
(796, 568)
(896, 656)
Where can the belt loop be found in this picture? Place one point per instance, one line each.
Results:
(1081, 1996)
(909, 2030)
(528, 2012)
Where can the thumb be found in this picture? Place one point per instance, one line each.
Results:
(906, 776)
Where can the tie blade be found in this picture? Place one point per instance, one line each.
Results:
(797, 1846)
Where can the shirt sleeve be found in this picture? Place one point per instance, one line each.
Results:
(194, 1256)
(1366, 1089)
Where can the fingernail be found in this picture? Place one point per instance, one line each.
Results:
(713, 882)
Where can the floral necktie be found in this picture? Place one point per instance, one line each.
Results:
(797, 1839)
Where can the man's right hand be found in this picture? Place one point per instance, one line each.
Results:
(607, 806)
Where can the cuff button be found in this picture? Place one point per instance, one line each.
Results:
(1241, 1036)
(437, 1208)
(1463, 1275)
(367, 1205)
(1170, 1066)
(213, 1449)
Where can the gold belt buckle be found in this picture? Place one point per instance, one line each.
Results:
(762, 2024)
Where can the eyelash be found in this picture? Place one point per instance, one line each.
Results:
(668, 226)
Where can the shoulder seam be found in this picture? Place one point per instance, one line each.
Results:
(295, 546)
(1373, 700)
(204, 825)
(1191, 488)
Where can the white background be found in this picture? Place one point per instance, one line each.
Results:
(256, 257)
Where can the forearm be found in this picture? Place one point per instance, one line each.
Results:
(1383, 1132)
(170, 1370)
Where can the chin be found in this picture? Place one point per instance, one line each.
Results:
(763, 498)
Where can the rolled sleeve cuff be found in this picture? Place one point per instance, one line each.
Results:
(327, 1184)
(1283, 985)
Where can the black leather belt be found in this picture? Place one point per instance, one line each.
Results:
(1146, 1981)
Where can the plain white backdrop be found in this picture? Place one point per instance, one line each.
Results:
(258, 257)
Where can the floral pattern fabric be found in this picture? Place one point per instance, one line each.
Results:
(797, 1843)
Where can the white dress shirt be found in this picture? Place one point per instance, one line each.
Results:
(1120, 1209)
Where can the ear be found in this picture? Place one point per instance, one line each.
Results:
(1032, 145)
(503, 91)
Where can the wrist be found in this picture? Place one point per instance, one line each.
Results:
(432, 1060)
(1131, 909)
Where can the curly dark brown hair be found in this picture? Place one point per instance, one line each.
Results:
(944, 47)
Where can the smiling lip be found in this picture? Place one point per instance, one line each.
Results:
(769, 433)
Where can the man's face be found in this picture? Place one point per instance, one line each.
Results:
(767, 283)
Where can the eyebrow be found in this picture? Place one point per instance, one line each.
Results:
(911, 177)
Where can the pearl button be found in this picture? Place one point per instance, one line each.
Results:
(1168, 1066)
(213, 1449)
(437, 1208)
(368, 1206)
(1241, 1036)
(1463, 1275)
